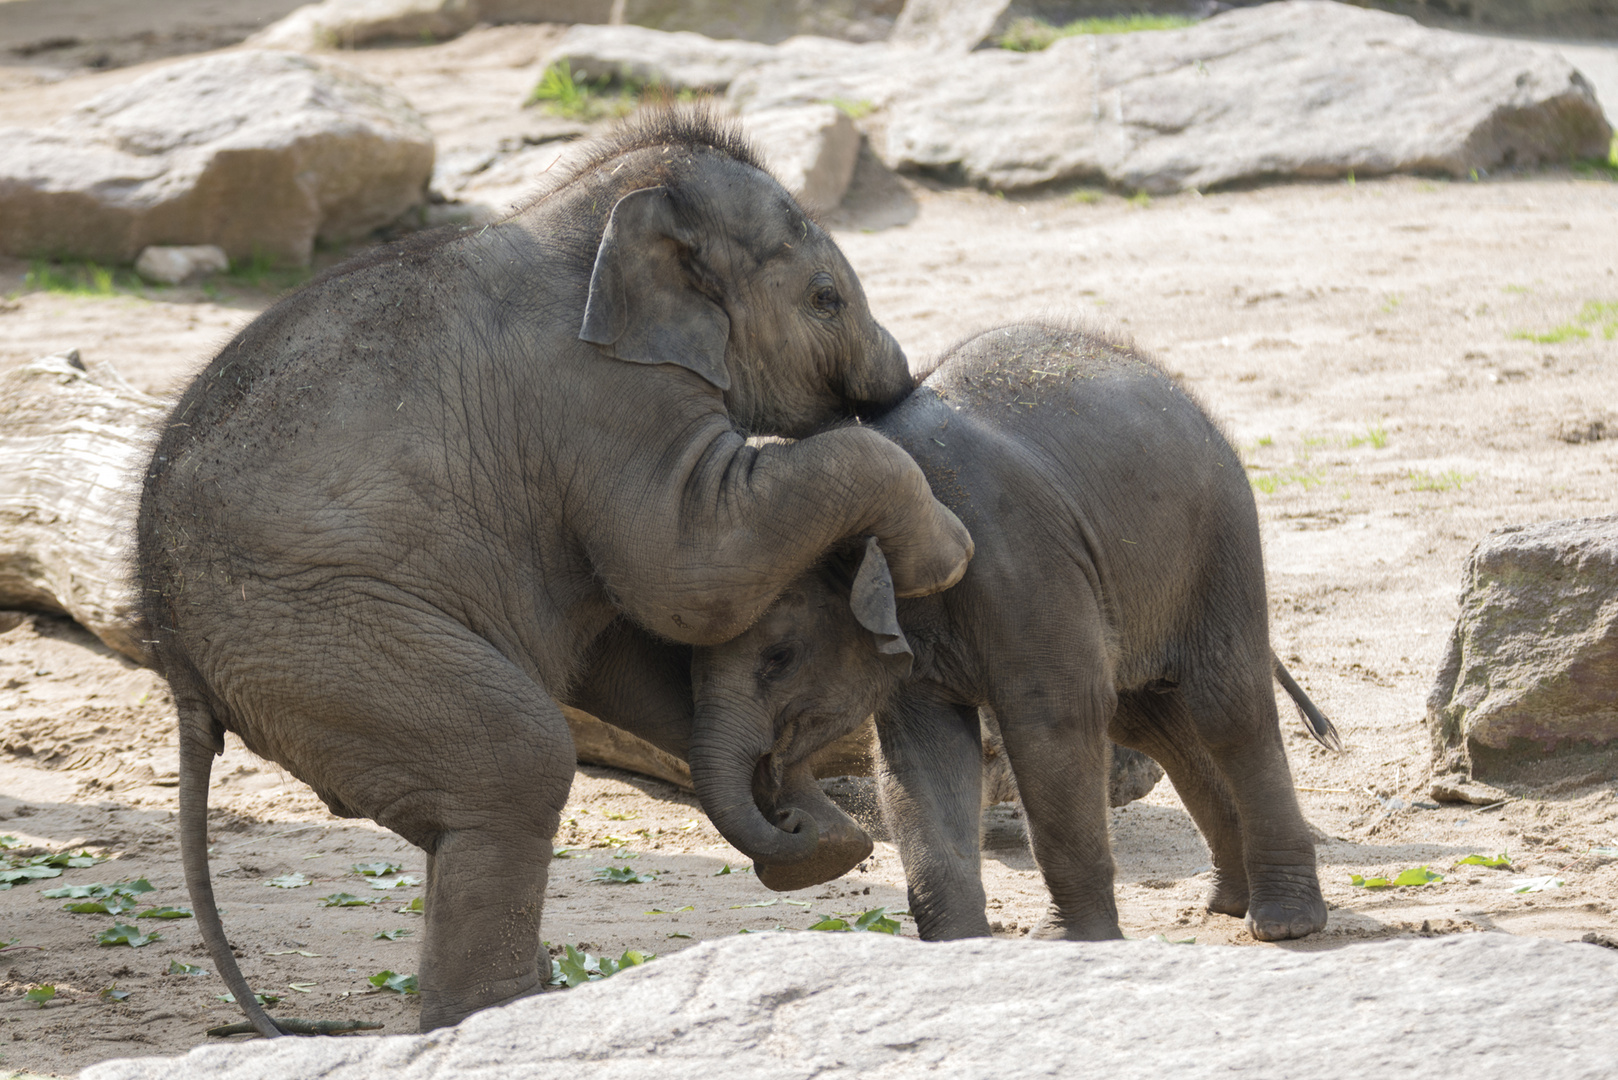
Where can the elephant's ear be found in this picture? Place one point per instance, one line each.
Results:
(875, 608)
(643, 306)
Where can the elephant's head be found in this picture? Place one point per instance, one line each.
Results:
(817, 663)
(710, 264)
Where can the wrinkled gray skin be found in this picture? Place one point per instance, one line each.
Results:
(414, 506)
(1117, 590)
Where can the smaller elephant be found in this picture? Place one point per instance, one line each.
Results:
(1117, 591)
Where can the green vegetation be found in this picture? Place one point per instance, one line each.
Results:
(399, 984)
(1087, 196)
(874, 921)
(79, 279)
(559, 93)
(122, 934)
(1596, 169)
(1596, 316)
(1033, 35)
(854, 110)
(576, 967)
(1501, 861)
(1376, 435)
(1140, 199)
(1419, 875)
(1444, 481)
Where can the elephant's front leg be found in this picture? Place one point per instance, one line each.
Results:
(931, 784)
(1055, 737)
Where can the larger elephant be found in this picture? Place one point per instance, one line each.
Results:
(384, 530)
(1117, 591)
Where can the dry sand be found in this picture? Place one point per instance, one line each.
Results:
(1357, 340)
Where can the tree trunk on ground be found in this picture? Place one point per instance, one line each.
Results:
(74, 438)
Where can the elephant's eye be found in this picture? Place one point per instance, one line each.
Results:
(778, 660)
(827, 300)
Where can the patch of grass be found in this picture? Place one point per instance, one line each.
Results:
(1140, 199)
(1391, 301)
(1266, 440)
(854, 110)
(80, 279)
(560, 94)
(1450, 479)
(1565, 332)
(1270, 483)
(1376, 435)
(263, 273)
(1086, 196)
(1602, 314)
(1596, 169)
(1033, 35)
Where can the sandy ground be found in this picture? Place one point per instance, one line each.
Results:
(1357, 341)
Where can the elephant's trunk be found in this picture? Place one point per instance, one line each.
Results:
(883, 380)
(842, 846)
(723, 763)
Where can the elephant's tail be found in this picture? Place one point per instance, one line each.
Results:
(199, 741)
(1320, 729)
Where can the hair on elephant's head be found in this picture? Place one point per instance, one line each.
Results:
(705, 261)
(813, 667)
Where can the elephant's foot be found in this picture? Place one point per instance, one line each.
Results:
(448, 1006)
(1228, 894)
(1054, 927)
(1276, 917)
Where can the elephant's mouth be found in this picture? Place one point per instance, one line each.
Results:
(791, 800)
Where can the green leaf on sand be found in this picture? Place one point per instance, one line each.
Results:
(391, 935)
(574, 968)
(39, 995)
(343, 899)
(399, 984)
(376, 869)
(288, 881)
(165, 913)
(622, 875)
(122, 934)
(1501, 861)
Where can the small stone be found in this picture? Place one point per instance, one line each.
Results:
(164, 265)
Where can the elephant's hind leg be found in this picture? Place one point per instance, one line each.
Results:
(458, 751)
(1236, 718)
(1158, 724)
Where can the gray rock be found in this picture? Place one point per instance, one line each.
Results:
(345, 24)
(1531, 672)
(1299, 88)
(811, 149)
(257, 152)
(683, 60)
(960, 26)
(793, 1006)
(535, 11)
(750, 20)
(175, 265)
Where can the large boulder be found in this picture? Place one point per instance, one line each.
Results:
(1530, 678)
(811, 149)
(345, 24)
(1303, 88)
(685, 60)
(258, 152)
(348, 24)
(750, 20)
(794, 1006)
